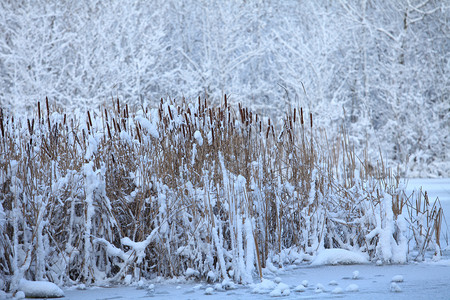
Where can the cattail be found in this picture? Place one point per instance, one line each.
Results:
(267, 133)
(1, 126)
(109, 131)
(29, 126)
(126, 109)
(301, 115)
(295, 113)
(311, 119)
(170, 112)
(118, 106)
(225, 97)
(115, 124)
(39, 111)
(64, 122)
(48, 108)
(89, 118)
(138, 134)
(199, 104)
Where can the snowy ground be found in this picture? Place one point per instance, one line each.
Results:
(425, 280)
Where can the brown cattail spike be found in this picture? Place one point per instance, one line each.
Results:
(301, 115)
(48, 108)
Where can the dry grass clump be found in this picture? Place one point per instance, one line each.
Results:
(220, 190)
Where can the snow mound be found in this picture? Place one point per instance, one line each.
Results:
(397, 278)
(40, 289)
(352, 288)
(320, 288)
(209, 291)
(355, 275)
(339, 256)
(282, 289)
(337, 290)
(395, 287)
(300, 288)
(333, 282)
(191, 272)
(264, 287)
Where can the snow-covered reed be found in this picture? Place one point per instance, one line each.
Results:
(219, 191)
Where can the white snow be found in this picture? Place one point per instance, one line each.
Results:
(209, 291)
(264, 287)
(19, 295)
(300, 288)
(281, 289)
(191, 272)
(425, 280)
(333, 282)
(339, 256)
(40, 289)
(198, 137)
(352, 288)
(150, 127)
(397, 278)
(395, 287)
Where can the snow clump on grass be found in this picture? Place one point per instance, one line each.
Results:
(339, 256)
(40, 289)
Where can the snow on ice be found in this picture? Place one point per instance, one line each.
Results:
(40, 289)
(339, 256)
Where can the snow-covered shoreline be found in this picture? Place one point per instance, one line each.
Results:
(320, 279)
